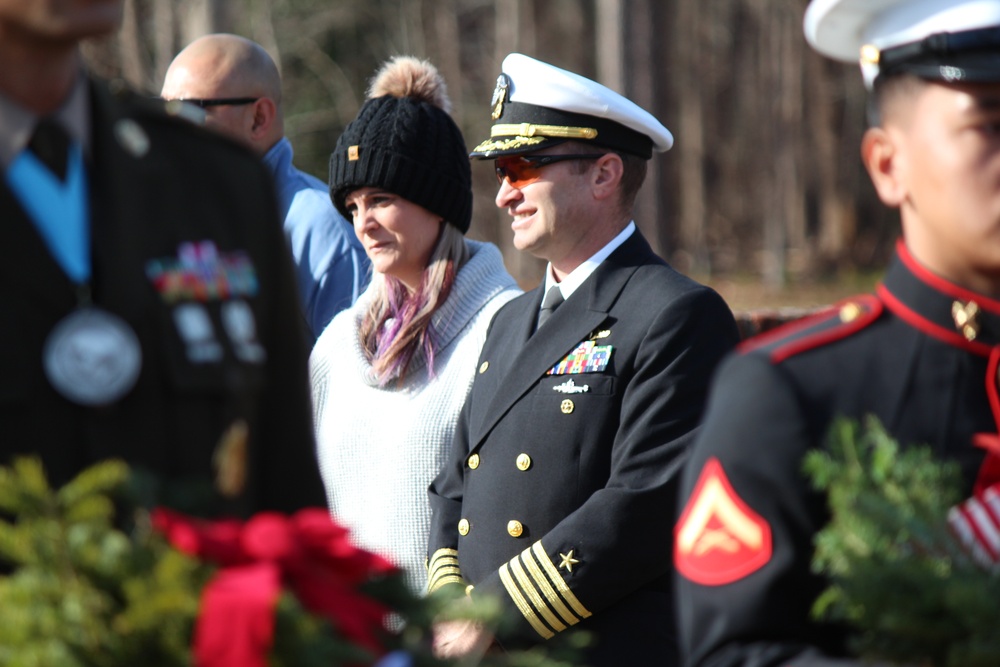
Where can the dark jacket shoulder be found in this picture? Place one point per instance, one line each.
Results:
(830, 325)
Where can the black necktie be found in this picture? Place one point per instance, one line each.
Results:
(50, 144)
(551, 301)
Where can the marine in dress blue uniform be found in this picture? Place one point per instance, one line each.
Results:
(921, 354)
(558, 494)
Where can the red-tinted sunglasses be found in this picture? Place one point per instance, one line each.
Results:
(520, 170)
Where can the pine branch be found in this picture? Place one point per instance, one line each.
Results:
(897, 574)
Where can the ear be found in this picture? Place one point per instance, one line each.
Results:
(264, 113)
(883, 154)
(606, 175)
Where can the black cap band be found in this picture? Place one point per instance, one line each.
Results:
(970, 55)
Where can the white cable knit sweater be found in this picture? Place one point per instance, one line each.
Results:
(379, 448)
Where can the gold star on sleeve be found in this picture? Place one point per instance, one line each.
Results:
(568, 561)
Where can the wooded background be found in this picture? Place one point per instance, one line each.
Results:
(764, 180)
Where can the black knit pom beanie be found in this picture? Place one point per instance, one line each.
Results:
(404, 140)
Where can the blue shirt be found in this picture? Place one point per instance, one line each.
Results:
(330, 262)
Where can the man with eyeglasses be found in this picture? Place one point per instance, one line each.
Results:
(237, 88)
(558, 495)
(144, 294)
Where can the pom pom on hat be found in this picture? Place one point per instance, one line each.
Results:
(406, 76)
(404, 141)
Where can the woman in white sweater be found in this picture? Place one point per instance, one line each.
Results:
(390, 374)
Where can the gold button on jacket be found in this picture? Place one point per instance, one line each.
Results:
(514, 528)
(474, 461)
(463, 527)
(523, 462)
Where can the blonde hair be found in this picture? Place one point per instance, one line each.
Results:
(398, 322)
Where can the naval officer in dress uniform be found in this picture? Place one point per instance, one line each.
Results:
(920, 354)
(558, 492)
(147, 303)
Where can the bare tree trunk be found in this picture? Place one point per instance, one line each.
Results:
(515, 32)
(130, 47)
(203, 17)
(610, 47)
(515, 27)
(262, 30)
(447, 46)
(773, 264)
(164, 39)
(641, 87)
(789, 100)
(691, 141)
(837, 223)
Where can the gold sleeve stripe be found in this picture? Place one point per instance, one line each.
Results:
(437, 584)
(532, 593)
(522, 604)
(442, 564)
(450, 573)
(442, 569)
(546, 588)
(550, 569)
(450, 554)
(531, 130)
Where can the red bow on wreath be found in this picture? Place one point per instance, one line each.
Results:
(307, 552)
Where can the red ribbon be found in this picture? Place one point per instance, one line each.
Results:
(307, 552)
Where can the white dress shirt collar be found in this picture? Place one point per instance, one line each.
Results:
(576, 277)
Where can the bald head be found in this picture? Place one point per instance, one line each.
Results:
(221, 67)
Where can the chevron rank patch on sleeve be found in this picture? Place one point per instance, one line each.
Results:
(719, 539)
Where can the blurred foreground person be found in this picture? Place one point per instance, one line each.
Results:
(559, 491)
(238, 86)
(148, 304)
(390, 374)
(920, 354)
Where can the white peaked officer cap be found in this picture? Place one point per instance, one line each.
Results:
(938, 40)
(536, 105)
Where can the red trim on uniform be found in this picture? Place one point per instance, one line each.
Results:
(941, 284)
(871, 308)
(919, 322)
(989, 469)
(719, 539)
(785, 330)
(992, 390)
